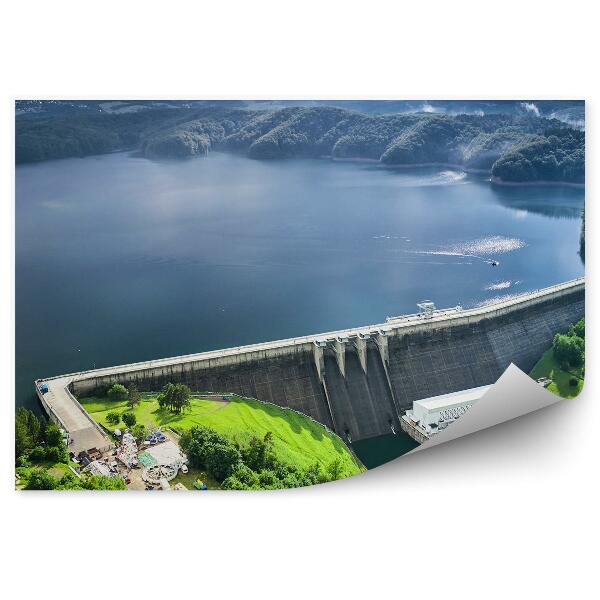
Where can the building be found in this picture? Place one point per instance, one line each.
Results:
(430, 415)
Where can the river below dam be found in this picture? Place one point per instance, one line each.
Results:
(122, 259)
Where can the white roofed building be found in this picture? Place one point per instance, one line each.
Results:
(430, 415)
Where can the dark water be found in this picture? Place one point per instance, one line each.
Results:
(383, 448)
(122, 259)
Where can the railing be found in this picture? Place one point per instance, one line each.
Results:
(440, 315)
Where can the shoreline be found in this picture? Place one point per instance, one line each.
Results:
(137, 153)
(541, 182)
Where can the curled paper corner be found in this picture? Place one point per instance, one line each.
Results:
(513, 395)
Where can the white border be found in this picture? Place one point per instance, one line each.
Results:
(505, 513)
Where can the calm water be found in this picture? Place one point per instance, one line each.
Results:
(122, 259)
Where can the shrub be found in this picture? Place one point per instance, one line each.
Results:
(118, 393)
(573, 381)
(578, 329)
(113, 418)
(233, 483)
(40, 479)
(53, 434)
(57, 453)
(23, 461)
(269, 480)
(568, 350)
(335, 469)
(259, 454)
(129, 419)
(38, 454)
(221, 460)
(139, 432)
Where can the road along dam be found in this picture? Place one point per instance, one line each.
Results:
(358, 382)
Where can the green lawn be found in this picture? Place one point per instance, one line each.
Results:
(547, 367)
(298, 440)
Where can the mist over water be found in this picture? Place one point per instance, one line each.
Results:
(121, 259)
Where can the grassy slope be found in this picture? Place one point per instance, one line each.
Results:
(298, 440)
(548, 367)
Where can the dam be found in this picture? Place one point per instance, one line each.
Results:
(358, 382)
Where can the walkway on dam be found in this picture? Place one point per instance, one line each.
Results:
(61, 404)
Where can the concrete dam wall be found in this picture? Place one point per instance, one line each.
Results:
(358, 382)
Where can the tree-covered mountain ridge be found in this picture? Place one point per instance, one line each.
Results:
(514, 149)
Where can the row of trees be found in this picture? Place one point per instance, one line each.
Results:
(174, 397)
(569, 348)
(558, 155)
(517, 148)
(250, 467)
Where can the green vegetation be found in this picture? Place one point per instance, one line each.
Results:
(40, 478)
(251, 467)
(558, 155)
(561, 386)
(133, 396)
(297, 440)
(175, 397)
(36, 441)
(515, 148)
(568, 350)
(42, 459)
(118, 393)
(129, 419)
(564, 362)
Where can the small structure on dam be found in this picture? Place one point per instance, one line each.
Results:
(358, 382)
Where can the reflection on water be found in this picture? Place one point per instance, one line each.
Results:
(558, 202)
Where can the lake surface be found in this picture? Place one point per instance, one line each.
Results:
(122, 259)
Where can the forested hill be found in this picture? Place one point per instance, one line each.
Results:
(514, 148)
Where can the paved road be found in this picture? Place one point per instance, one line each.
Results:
(83, 432)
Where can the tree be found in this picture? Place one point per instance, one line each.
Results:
(335, 469)
(118, 393)
(568, 350)
(93, 482)
(134, 396)
(578, 329)
(197, 442)
(57, 453)
(221, 460)
(53, 435)
(129, 419)
(28, 431)
(102, 482)
(113, 418)
(40, 479)
(259, 454)
(139, 432)
(233, 483)
(269, 481)
(175, 397)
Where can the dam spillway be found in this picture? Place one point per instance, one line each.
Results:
(357, 382)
